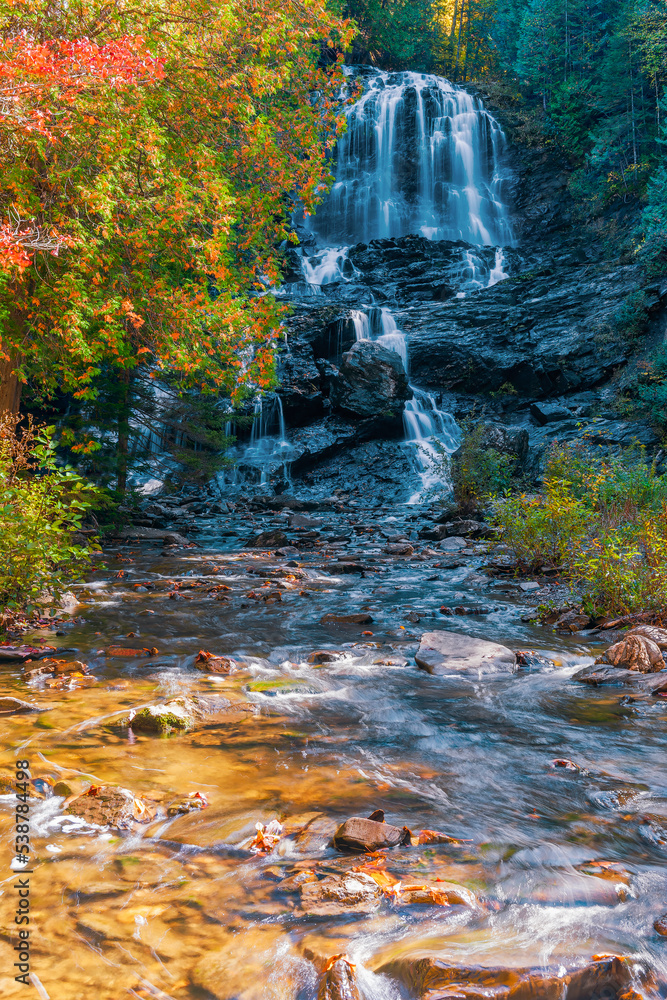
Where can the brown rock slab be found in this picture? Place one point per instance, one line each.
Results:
(444, 652)
(352, 892)
(609, 976)
(660, 925)
(360, 835)
(110, 805)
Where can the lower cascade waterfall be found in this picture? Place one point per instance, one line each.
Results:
(430, 433)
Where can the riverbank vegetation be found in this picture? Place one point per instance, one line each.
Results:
(597, 523)
(42, 507)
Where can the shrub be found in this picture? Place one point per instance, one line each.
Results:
(542, 530)
(478, 472)
(41, 506)
(601, 522)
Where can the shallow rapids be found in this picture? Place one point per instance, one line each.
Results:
(564, 863)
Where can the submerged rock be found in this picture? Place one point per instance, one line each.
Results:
(356, 619)
(353, 892)
(609, 976)
(444, 652)
(359, 835)
(268, 540)
(14, 706)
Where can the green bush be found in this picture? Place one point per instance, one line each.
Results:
(601, 522)
(41, 506)
(478, 472)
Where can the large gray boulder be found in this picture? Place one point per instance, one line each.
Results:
(444, 652)
(371, 381)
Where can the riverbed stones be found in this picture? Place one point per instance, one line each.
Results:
(635, 652)
(652, 632)
(444, 652)
(660, 925)
(366, 835)
(268, 540)
(352, 892)
(362, 618)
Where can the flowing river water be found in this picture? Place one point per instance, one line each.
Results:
(324, 720)
(181, 905)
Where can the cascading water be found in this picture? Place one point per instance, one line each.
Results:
(269, 451)
(430, 433)
(420, 155)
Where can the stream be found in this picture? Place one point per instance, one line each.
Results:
(181, 907)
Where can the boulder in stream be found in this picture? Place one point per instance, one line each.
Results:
(635, 652)
(359, 835)
(177, 715)
(352, 892)
(445, 652)
(15, 706)
(339, 981)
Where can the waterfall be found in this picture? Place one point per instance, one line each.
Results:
(431, 434)
(420, 155)
(269, 451)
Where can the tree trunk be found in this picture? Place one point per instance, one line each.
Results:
(458, 41)
(452, 33)
(10, 387)
(126, 377)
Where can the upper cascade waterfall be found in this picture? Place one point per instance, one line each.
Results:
(420, 155)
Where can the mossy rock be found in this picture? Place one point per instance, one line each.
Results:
(178, 715)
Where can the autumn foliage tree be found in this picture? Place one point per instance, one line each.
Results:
(150, 157)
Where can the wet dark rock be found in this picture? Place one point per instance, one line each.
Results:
(324, 656)
(303, 521)
(660, 925)
(468, 529)
(528, 659)
(549, 413)
(573, 621)
(167, 537)
(268, 540)
(399, 549)
(361, 618)
(300, 388)
(366, 835)
(371, 382)
(448, 652)
(601, 674)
